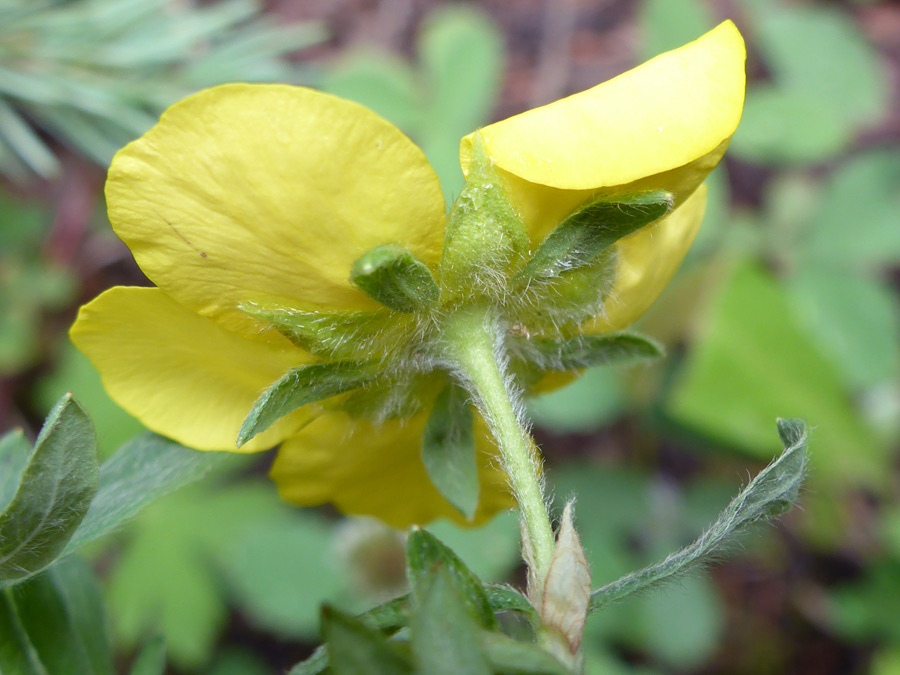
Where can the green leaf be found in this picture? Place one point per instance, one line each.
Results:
(773, 492)
(785, 126)
(141, 472)
(507, 599)
(594, 399)
(152, 659)
(444, 634)
(856, 321)
(62, 613)
(394, 277)
(356, 649)
(424, 552)
(755, 362)
(821, 54)
(669, 24)
(299, 386)
(512, 657)
(461, 51)
(53, 496)
(591, 230)
(855, 225)
(586, 351)
(14, 452)
(448, 449)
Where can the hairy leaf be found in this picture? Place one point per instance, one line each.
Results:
(394, 277)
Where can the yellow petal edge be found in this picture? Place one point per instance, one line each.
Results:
(664, 114)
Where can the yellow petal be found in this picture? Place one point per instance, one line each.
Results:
(255, 193)
(647, 260)
(377, 470)
(664, 114)
(180, 374)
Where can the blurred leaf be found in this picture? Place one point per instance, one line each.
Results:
(754, 363)
(819, 53)
(192, 550)
(17, 654)
(770, 494)
(74, 372)
(786, 125)
(669, 24)
(380, 82)
(681, 625)
(141, 472)
(152, 659)
(854, 319)
(856, 222)
(356, 649)
(462, 62)
(866, 610)
(594, 399)
(490, 551)
(424, 552)
(53, 496)
(61, 611)
(234, 661)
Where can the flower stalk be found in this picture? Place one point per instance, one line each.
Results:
(474, 342)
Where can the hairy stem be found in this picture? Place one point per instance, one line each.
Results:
(475, 344)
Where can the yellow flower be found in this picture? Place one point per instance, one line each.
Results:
(261, 196)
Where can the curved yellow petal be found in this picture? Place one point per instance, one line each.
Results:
(647, 261)
(268, 193)
(180, 374)
(377, 470)
(664, 114)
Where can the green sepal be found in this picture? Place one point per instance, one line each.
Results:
(53, 496)
(393, 395)
(394, 277)
(424, 552)
(448, 449)
(512, 657)
(485, 238)
(301, 386)
(568, 300)
(443, 633)
(586, 351)
(590, 230)
(337, 336)
(774, 490)
(357, 649)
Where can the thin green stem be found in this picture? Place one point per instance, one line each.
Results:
(472, 339)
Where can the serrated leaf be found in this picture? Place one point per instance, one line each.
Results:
(152, 659)
(300, 386)
(396, 278)
(448, 449)
(142, 471)
(444, 634)
(586, 351)
(774, 491)
(356, 649)
(512, 657)
(53, 496)
(424, 551)
(591, 230)
(61, 611)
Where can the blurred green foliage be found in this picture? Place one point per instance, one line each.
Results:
(788, 306)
